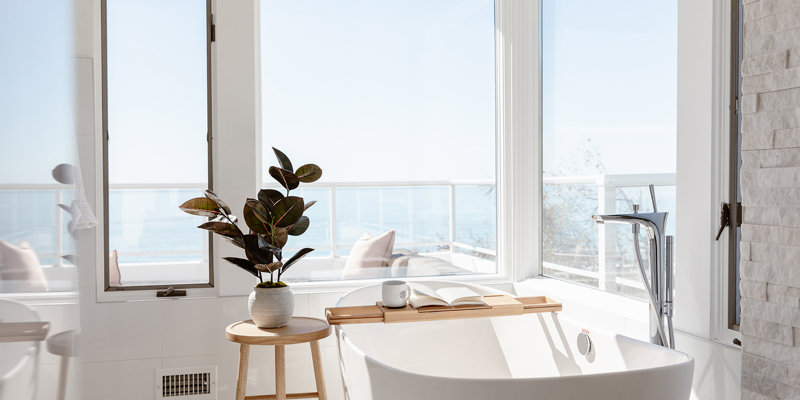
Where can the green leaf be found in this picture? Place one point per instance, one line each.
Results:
(254, 252)
(283, 160)
(222, 228)
(309, 204)
(243, 264)
(287, 211)
(236, 241)
(308, 173)
(295, 258)
(269, 197)
(65, 208)
(261, 212)
(265, 243)
(202, 206)
(279, 237)
(300, 226)
(272, 267)
(222, 205)
(253, 222)
(286, 178)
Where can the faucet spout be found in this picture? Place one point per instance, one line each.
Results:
(653, 222)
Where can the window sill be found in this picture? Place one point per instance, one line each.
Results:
(150, 295)
(42, 298)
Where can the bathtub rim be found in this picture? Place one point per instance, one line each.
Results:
(688, 360)
(340, 330)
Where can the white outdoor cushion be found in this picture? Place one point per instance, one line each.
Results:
(20, 270)
(369, 252)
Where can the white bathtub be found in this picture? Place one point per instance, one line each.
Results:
(533, 356)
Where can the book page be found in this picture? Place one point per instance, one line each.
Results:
(459, 296)
(422, 295)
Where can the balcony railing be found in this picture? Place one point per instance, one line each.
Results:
(451, 242)
(606, 275)
(61, 217)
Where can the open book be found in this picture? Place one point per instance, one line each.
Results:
(423, 295)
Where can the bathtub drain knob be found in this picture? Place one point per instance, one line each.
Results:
(584, 343)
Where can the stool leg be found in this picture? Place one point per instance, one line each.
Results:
(280, 372)
(62, 378)
(244, 361)
(316, 357)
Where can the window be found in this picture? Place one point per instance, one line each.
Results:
(734, 195)
(37, 253)
(609, 88)
(157, 144)
(396, 102)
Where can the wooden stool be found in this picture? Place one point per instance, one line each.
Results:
(299, 330)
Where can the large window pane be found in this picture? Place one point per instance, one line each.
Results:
(609, 116)
(157, 149)
(396, 102)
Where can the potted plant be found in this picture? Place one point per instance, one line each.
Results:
(271, 219)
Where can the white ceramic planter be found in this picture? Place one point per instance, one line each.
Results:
(271, 307)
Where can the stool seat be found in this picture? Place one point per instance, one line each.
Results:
(299, 330)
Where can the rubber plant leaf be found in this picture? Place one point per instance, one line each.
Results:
(272, 267)
(309, 204)
(265, 243)
(259, 210)
(225, 218)
(269, 197)
(236, 241)
(285, 177)
(254, 252)
(308, 173)
(295, 258)
(222, 205)
(300, 226)
(202, 206)
(287, 211)
(279, 237)
(243, 264)
(222, 228)
(253, 222)
(283, 160)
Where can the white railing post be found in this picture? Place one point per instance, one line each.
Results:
(452, 190)
(606, 234)
(332, 192)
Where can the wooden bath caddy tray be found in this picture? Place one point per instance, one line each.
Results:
(497, 306)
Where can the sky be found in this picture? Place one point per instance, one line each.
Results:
(36, 89)
(381, 90)
(609, 75)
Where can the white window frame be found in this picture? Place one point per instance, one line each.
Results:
(236, 146)
(701, 298)
(516, 86)
(146, 292)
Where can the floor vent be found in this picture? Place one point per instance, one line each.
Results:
(198, 383)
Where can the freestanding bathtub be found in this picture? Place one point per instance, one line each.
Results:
(533, 356)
